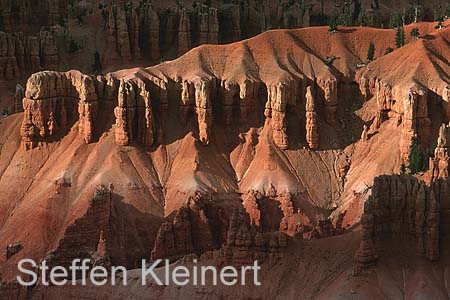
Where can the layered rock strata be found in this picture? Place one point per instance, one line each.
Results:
(401, 205)
(27, 15)
(409, 108)
(102, 234)
(51, 102)
(134, 117)
(21, 55)
(439, 164)
(197, 227)
(312, 135)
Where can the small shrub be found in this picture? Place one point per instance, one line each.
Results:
(418, 160)
(332, 26)
(415, 33)
(371, 51)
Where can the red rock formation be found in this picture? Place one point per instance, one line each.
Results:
(18, 97)
(366, 255)
(246, 243)
(208, 24)
(9, 68)
(197, 227)
(184, 32)
(439, 164)
(134, 118)
(21, 54)
(401, 205)
(50, 102)
(187, 100)
(104, 235)
(312, 135)
(48, 47)
(364, 134)
(149, 32)
(329, 87)
(278, 96)
(410, 109)
(27, 15)
(250, 203)
(118, 34)
(203, 108)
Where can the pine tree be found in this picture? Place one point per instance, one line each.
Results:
(371, 51)
(400, 37)
(415, 33)
(388, 50)
(332, 25)
(362, 19)
(415, 157)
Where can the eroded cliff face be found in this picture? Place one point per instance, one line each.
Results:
(28, 15)
(24, 54)
(404, 207)
(106, 235)
(51, 103)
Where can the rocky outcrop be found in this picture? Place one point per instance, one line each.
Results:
(439, 164)
(27, 15)
(184, 32)
(312, 134)
(134, 117)
(203, 108)
(103, 235)
(197, 227)
(49, 47)
(118, 31)
(21, 55)
(404, 206)
(18, 97)
(279, 95)
(366, 255)
(9, 68)
(364, 133)
(50, 105)
(207, 24)
(149, 32)
(81, 237)
(246, 243)
(330, 89)
(250, 203)
(409, 106)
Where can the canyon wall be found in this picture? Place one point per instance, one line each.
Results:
(197, 227)
(26, 15)
(54, 101)
(51, 102)
(108, 233)
(21, 55)
(401, 206)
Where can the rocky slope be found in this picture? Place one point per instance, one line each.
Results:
(237, 152)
